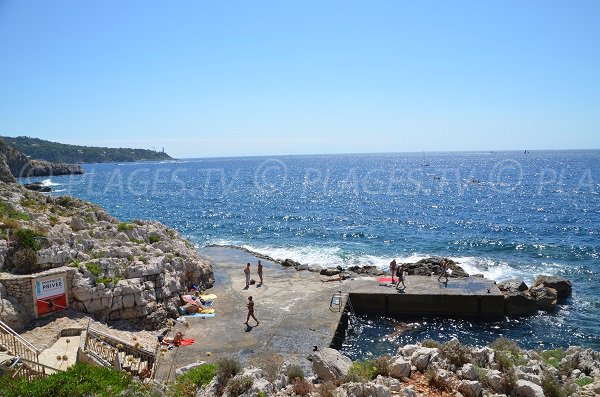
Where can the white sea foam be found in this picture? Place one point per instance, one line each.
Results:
(48, 182)
(334, 256)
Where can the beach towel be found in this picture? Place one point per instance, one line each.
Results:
(186, 341)
(384, 279)
(191, 299)
(208, 297)
(201, 315)
(207, 311)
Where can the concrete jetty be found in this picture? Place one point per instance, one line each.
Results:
(462, 297)
(295, 312)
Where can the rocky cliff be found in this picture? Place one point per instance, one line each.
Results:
(20, 165)
(115, 270)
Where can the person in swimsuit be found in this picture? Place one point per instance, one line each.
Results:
(250, 306)
(393, 266)
(247, 273)
(400, 275)
(443, 271)
(259, 270)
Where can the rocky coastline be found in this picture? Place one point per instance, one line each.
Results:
(15, 164)
(114, 270)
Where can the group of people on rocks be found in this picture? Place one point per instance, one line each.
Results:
(399, 272)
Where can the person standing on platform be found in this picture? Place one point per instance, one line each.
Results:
(259, 270)
(247, 273)
(393, 267)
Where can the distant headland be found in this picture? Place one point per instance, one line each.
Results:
(55, 152)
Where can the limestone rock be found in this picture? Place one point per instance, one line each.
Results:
(524, 388)
(289, 263)
(5, 175)
(513, 285)
(468, 372)
(330, 364)
(545, 297)
(78, 223)
(332, 271)
(562, 286)
(470, 388)
(182, 370)
(400, 368)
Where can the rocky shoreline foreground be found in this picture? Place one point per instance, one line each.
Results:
(425, 369)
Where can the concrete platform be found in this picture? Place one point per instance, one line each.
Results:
(468, 297)
(293, 308)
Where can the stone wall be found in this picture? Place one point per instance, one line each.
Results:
(18, 304)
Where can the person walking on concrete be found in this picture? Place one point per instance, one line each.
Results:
(259, 270)
(250, 306)
(400, 275)
(247, 273)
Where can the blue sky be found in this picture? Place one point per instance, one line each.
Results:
(208, 78)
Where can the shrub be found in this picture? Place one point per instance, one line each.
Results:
(187, 384)
(124, 226)
(10, 223)
(482, 376)
(239, 385)
(27, 238)
(270, 365)
(74, 262)
(508, 354)
(352, 377)
(382, 366)
(509, 380)
(362, 371)
(294, 372)
(431, 343)
(153, 238)
(456, 353)
(553, 357)
(94, 268)
(327, 389)
(553, 388)
(53, 219)
(227, 368)
(28, 202)
(584, 380)
(568, 364)
(25, 260)
(302, 387)
(66, 201)
(78, 381)
(11, 213)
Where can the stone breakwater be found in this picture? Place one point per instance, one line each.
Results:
(114, 270)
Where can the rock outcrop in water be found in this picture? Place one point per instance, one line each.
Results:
(543, 295)
(115, 270)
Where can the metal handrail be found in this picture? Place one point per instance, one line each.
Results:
(20, 346)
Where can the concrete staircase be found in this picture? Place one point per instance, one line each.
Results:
(12, 344)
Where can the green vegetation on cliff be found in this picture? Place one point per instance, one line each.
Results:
(62, 153)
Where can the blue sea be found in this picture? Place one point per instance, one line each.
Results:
(502, 214)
